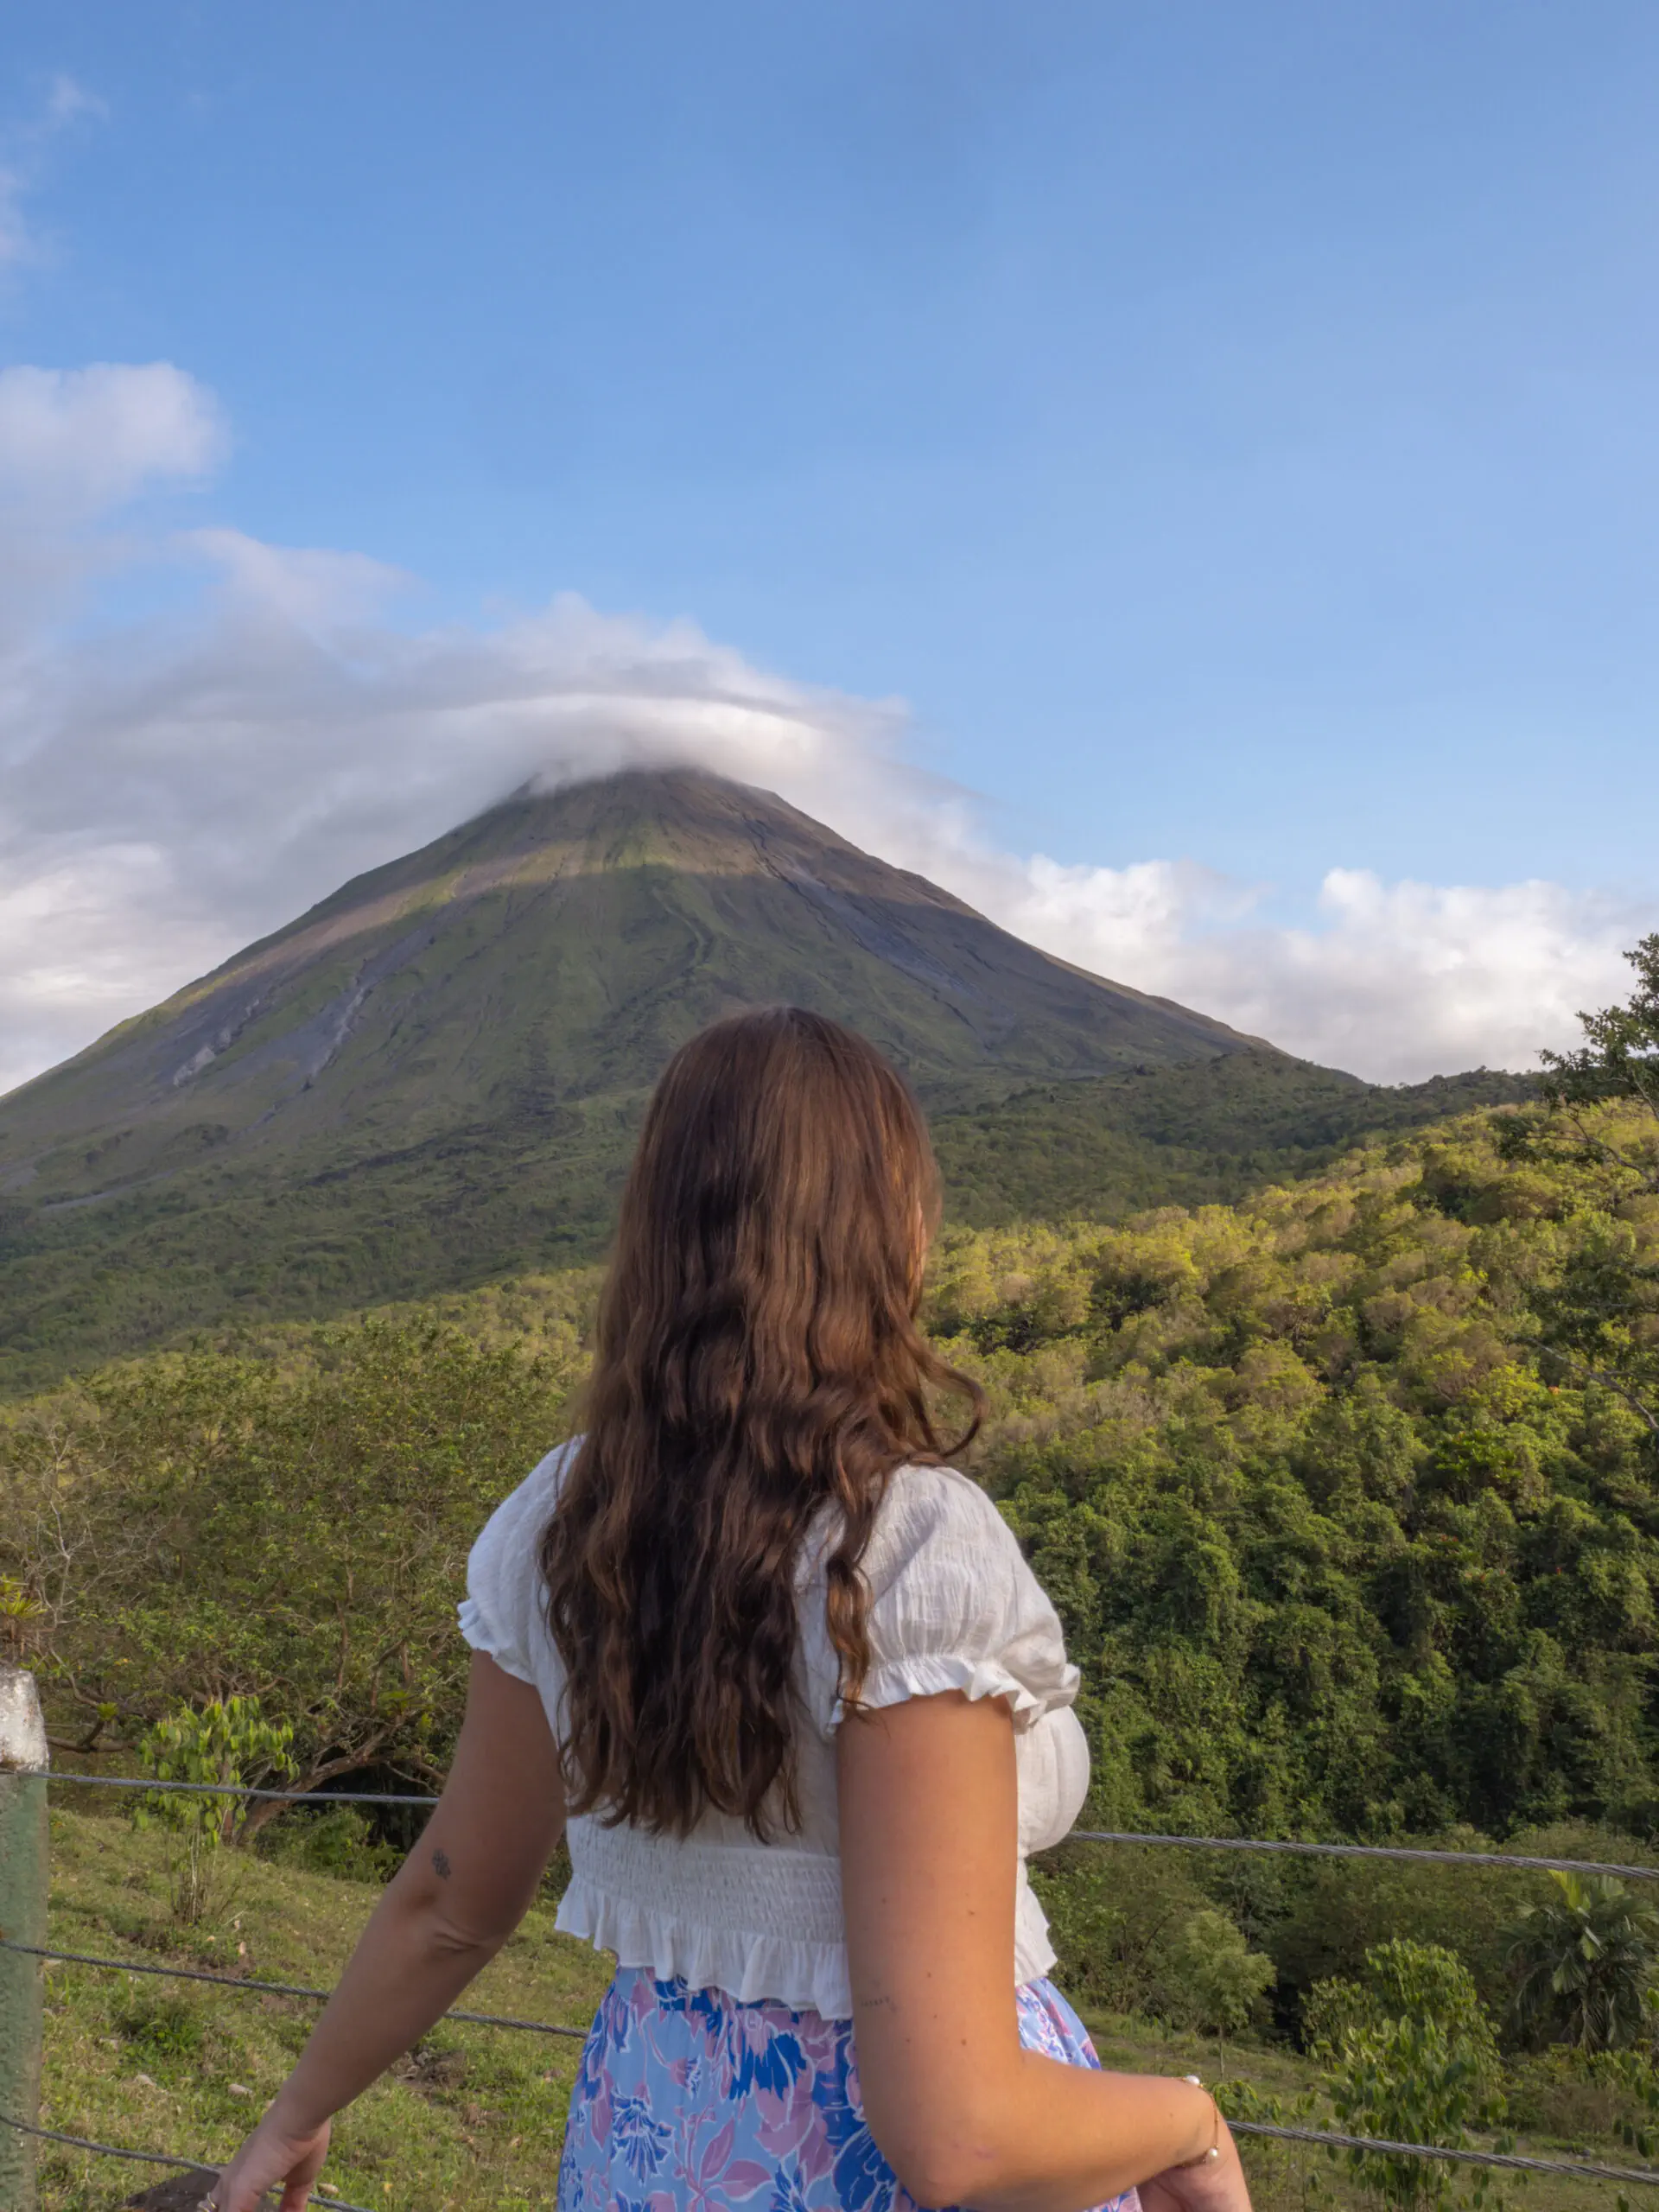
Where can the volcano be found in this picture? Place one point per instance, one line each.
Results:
(433, 1077)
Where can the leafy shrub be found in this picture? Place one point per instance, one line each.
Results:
(1574, 2096)
(336, 1840)
(1410, 2055)
(1338, 1910)
(1133, 1931)
(227, 1741)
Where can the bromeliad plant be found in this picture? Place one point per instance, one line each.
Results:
(20, 1611)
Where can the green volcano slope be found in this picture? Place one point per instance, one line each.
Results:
(433, 1078)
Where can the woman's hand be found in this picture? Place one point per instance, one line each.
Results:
(1212, 2185)
(274, 2154)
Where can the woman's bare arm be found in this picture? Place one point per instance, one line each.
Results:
(961, 2111)
(457, 1898)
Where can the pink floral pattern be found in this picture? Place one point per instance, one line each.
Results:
(686, 2098)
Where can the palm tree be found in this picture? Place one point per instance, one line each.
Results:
(1583, 1962)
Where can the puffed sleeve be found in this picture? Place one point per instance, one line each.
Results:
(501, 1613)
(954, 1606)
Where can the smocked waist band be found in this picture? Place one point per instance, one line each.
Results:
(769, 1889)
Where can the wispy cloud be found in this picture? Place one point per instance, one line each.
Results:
(76, 446)
(24, 146)
(68, 101)
(171, 787)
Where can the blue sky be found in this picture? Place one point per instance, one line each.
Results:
(1230, 428)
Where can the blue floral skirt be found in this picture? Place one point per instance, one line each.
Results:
(686, 2098)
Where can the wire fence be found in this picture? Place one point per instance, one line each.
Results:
(1501, 1861)
(248, 1984)
(222, 1788)
(1507, 2161)
(1079, 1835)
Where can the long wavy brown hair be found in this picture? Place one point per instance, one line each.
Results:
(758, 1361)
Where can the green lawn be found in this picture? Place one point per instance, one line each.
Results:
(471, 2121)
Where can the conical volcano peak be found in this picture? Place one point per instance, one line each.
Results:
(683, 819)
(483, 1017)
(559, 945)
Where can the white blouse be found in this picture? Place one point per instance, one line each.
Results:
(954, 1606)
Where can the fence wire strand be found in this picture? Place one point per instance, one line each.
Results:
(1419, 1853)
(1489, 1859)
(218, 1789)
(1581, 2169)
(148, 2158)
(247, 1985)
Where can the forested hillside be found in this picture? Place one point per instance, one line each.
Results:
(1341, 1545)
(1335, 1554)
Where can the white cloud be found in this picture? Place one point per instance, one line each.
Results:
(76, 445)
(77, 442)
(171, 788)
(1396, 981)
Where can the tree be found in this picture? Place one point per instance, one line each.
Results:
(1221, 1980)
(209, 1526)
(1618, 1059)
(1410, 2055)
(1598, 1320)
(228, 1741)
(1583, 1962)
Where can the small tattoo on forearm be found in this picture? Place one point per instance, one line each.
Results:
(440, 1865)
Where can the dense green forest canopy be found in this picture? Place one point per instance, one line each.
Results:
(212, 1245)
(1351, 1533)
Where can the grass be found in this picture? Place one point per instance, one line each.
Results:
(473, 2120)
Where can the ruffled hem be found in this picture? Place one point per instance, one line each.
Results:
(806, 1977)
(932, 1674)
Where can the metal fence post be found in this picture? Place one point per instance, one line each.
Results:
(24, 1879)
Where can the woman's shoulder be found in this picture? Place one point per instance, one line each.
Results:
(501, 1613)
(941, 1551)
(531, 1503)
(953, 1604)
(938, 1515)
